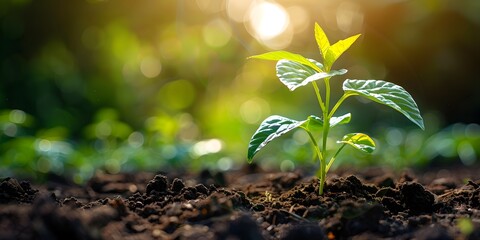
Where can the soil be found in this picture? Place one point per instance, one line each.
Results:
(373, 203)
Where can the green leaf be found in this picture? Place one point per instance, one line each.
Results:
(337, 49)
(359, 141)
(276, 126)
(279, 55)
(316, 123)
(313, 122)
(388, 94)
(322, 40)
(270, 129)
(344, 119)
(293, 74)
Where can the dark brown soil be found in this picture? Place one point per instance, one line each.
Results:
(370, 204)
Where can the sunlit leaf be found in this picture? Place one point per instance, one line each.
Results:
(388, 94)
(293, 74)
(359, 141)
(337, 49)
(316, 123)
(344, 119)
(270, 129)
(276, 126)
(312, 123)
(279, 55)
(322, 40)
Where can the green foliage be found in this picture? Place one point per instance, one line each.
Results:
(271, 128)
(295, 71)
(109, 144)
(388, 94)
(294, 75)
(332, 53)
(359, 141)
(284, 55)
(402, 148)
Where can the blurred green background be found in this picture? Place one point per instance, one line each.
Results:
(119, 85)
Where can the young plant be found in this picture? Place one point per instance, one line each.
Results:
(295, 71)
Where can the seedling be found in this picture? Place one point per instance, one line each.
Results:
(295, 71)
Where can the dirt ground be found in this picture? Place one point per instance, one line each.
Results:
(249, 204)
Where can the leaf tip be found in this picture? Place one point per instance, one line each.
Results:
(421, 125)
(250, 155)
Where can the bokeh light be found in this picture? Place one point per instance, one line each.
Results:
(350, 17)
(237, 10)
(88, 89)
(299, 18)
(150, 67)
(253, 110)
(217, 33)
(268, 22)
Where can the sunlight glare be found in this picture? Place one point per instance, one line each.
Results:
(207, 147)
(268, 20)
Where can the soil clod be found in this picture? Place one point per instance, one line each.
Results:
(159, 184)
(416, 198)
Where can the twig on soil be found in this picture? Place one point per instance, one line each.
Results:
(470, 182)
(295, 216)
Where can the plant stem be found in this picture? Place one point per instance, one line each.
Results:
(320, 158)
(319, 97)
(317, 150)
(339, 102)
(334, 156)
(322, 153)
(326, 129)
